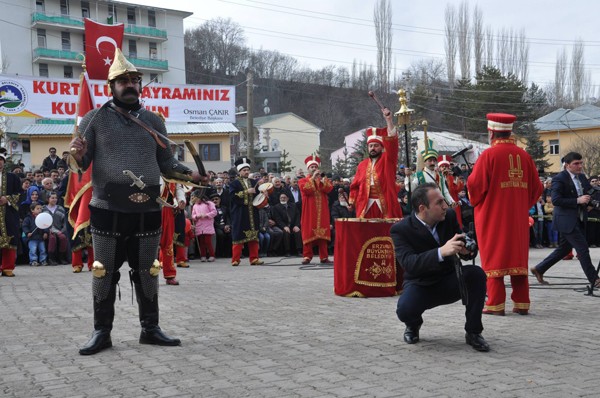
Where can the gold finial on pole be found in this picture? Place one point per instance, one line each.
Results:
(404, 112)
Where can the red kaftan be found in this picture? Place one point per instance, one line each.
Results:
(384, 180)
(315, 209)
(503, 186)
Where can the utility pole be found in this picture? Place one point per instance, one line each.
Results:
(250, 115)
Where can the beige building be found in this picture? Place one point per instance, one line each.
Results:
(283, 132)
(564, 129)
(212, 141)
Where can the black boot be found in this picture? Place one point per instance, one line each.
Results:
(104, 314)
(151, 332)
(61, 258)
(52, 258)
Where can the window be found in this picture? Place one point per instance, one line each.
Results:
(554, 147)
(272, 167)
(151, 18)
(210, 152)
(153, 50)
(68, 71)
(131, 15)
(44, 70)
(66, 41)
(41, 34)
(132, 49)
(39, 6)
(112, 14)
(153, 78)
(85, 9)
(64, 7)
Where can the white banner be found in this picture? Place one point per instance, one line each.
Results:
(41, 97)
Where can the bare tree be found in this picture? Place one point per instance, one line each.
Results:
(579, 79)
(450, 44)
(523, 54)
(478, 38)
(489, 47)
(560, 79)
(218, 46)
(382, 18)
(464, 42)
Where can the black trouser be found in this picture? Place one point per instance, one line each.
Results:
(567, 241)
(416, 299)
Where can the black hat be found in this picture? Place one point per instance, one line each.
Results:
(242, 163)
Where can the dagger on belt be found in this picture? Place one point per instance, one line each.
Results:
(137, 182)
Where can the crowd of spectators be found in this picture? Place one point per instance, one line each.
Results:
(280, 227)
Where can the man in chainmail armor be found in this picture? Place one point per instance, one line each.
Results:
(125, 219)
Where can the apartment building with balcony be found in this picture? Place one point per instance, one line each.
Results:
(46, 38)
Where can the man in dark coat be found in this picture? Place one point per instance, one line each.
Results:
(244, 217)
(287, 219)
(570, 196)
(426, 244)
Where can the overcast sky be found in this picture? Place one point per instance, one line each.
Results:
(324, 32)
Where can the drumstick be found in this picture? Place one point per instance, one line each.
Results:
(372, 95)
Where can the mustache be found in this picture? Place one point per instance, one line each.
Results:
(130, 90)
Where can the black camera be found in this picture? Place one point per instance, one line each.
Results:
(470, 243)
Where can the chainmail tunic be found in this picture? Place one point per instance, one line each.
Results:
(115, 144)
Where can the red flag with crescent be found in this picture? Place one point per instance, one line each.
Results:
(79, 188)
(101, 40)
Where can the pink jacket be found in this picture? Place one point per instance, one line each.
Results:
(205, 225)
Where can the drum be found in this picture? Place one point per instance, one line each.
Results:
(260, 201)
(364, 262)
(267, 188)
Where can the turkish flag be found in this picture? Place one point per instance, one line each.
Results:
(79, 187)
(101, 40)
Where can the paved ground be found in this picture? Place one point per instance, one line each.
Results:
(279, 331)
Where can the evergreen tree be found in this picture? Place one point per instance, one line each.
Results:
(535, 146)
(284, 163)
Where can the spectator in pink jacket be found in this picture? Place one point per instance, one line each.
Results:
(203, 214)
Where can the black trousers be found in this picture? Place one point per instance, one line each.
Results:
(416, 299)
(567, 241)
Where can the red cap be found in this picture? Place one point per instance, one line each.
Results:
(500, 122)
(312, 159)
(444, 160)
(375, 134)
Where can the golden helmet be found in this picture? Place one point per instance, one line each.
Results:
(121, 66)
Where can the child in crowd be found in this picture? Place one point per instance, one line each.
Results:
(35, 237)
(203, 213)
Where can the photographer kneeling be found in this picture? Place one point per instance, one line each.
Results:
(426, 244)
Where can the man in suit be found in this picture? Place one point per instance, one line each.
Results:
(286, 218)
(570, 197)
(426, 244)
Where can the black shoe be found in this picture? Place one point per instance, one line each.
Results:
(411, 334)
(99, 341)
(52, 261)
(156, 336)
(477, 341)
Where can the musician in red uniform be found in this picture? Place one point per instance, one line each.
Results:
(453, 184)
(373, 192)
(503, 186)
(315, 222)
(173, 194)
